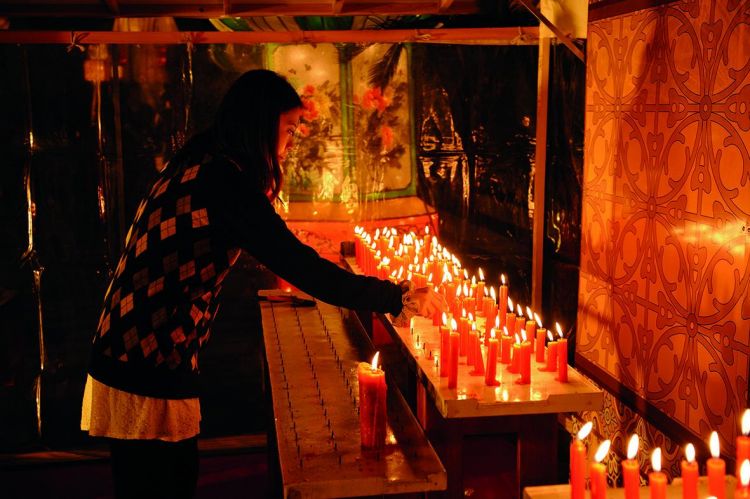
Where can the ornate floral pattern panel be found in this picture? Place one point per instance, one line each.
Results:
(664, 304)
(314, 170)
(382, 131)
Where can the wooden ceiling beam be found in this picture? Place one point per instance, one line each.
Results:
(338, 7)
(559, 34)
(484, 36)
(444, 5)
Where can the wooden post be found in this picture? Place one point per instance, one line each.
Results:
(540, 172)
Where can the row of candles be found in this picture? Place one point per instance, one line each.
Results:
(715, 466)
(509, 336)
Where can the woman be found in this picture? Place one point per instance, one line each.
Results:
(213, 200)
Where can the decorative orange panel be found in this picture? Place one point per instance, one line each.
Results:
(664, 305)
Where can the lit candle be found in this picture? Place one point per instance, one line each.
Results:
(463, 331)
(551, 354)
(471, 349)
(524, 363)
(491, 370)
(631, 476)
(689, 474)
(657, 481)
(372, 404)
(598, 472)
(506, 346)
(515, 356)
(742, 491)
(491, 311)
(455, 340)
(530, 328)
(510, 317)
(520, 320)
(478, 360)
(716, 468)
(445, 346)
(541, 333)
(578, 463)
(502, 298)
(480, 284)
(743, 442)
(562, 356)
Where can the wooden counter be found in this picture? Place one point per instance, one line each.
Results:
(312, 360)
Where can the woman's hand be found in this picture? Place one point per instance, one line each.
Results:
(422, 301)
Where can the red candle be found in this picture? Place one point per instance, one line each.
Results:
(445, 347)
(480, 284)
(455, 340)
(743, 442)
(743, 492)
(657, 481)
(502, 299)
(372, 404)
(520, 320)
(530, 328)
(562, 357)
(598, 473)
(506, 344)
(631, 471)
(510, 322)
(541, 334)
(491, 370)
(689, 474)
(551, 365)
(515, 356)
(471, 349)
(716, 469)
(478, 360)
(578, 463)
(524, 362)
(463, 331)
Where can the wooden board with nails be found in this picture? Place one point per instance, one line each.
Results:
(312, 356)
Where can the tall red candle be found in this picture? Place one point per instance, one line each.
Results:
(510, 323)
(598, 472)
(562, 357)
(551, 365)
(372, 404)
(689, 474)
(506, 344)
(524, 362)
(478, 360)
(743, 442)
(455, 340)
(502, 299)
(631, 475)
(657, 481)
(471, 350)
(578, 463)
(491, 370)
(716, 469)
(445, 347)
(515, 356)
(463, 331)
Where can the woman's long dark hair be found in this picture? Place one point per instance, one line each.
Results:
(246, 127)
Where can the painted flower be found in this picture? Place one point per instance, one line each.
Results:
(310, 109)
(308, 90)
(303, 130)
(386, 135)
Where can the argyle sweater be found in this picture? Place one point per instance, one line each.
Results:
(187, 234)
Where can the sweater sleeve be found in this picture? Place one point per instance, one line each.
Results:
(245, 218)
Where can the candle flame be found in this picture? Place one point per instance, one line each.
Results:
(633, 446)
(549, 335)
(486, 293)
(481, 274)
(427, 230)
(497, 321)
(690, 453)
(466, 290)
(505, 331)
(519, 310)
(454, 326)
(471, 317)
(529, 313)
(746, 422)
(656, 459)
(377, 233)
(585, 430)
(558, 329)
(518, 340)
(409, 276)
(714, 445)
(445, 319)
(602, 451)
(463, 312)
(502, 279)
(523, 335)
(538, 320)
(510, 304)
(492, 333)
(429, 278)
(374, 363)
(466, 274)
(493, 295)
(745, 473)
(473, 280)
(473, 326)
(458, 291)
